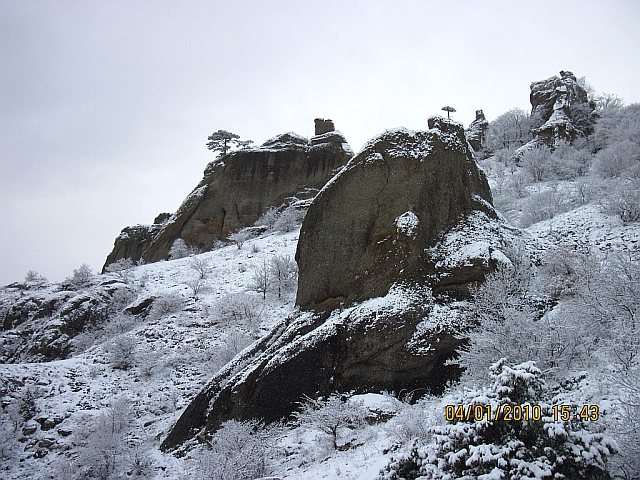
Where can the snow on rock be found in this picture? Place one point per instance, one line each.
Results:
(407, 223)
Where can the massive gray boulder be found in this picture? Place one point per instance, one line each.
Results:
(560, 111)
(404, 226)
(375, 222)
(237, 189)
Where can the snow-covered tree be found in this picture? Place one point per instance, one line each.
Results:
(515, 429)
(509, 131)
(201, 265)
(240, 237)
(222, 141)
(261, 281)
(331, 415)
(283, 271)
(238, 451)
(180, 249)
(121, 268)
(81, 276)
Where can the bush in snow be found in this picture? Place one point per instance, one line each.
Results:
(237, 308)
(102, 449)
(34, 277)
(332, 415)
(623, 200)
(201, 265)
(499, 447)
(544, 206)
(121, 269)
(121, 352)
(288, 219)
(268, 219)
(283, 273)
(82, 276)
(165, 305)
(619, 160)
(238, 451)
(261, 280)
(179, 249)
(240, 237)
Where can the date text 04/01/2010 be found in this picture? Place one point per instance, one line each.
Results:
(516, 413)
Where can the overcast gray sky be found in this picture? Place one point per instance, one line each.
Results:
(106, 106)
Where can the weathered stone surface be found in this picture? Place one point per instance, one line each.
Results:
(408, 217)
(560, 111)
(477, 131)
(236, 190)
(351, 247)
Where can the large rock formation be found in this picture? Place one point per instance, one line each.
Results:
(237, 189)
(560, 111)
(406, 222)
(374, 223)
(477, 131)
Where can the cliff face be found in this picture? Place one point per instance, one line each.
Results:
(237, 189)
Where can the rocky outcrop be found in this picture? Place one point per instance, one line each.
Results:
(374, 223)
(560, 111)
(477, 131)
(406, 222)
(39, 323)
(237, 189)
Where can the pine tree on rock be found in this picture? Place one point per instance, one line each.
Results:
(449, 110)
(222, 140)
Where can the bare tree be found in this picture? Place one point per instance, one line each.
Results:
(201, 266)
(283, 271)
(331, 415)
(261, 281)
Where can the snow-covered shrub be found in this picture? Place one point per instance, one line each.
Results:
(201, 265)
(268, 219)
(623, 200)
(121, 269)
(414, 421)
(81, 276)
(333, 415)
(167, 304)
(513, 321)
(234, 343)
(537, 163)
(240, 237)
(627, 465)
(197, 286)
(544, 206)
(290, 218)
(179, 249)
(619, 160)
(238, 308)
(261, 280)
(35, 278)
(510, 130)
(521, 437)
(102, 448)
(284, 273)
(237, 451)
(609, 303)
(121, 352)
